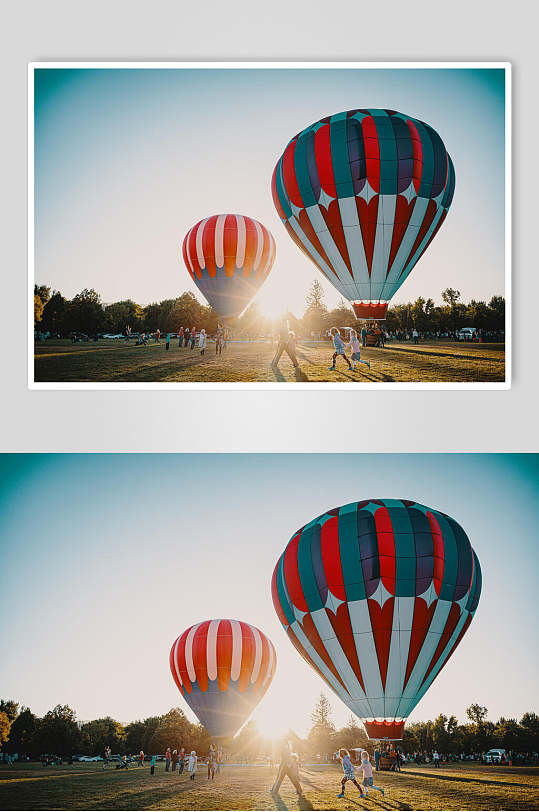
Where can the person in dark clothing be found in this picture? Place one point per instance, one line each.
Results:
(284, 345)
(287, 767)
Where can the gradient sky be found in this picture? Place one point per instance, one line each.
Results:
(106, 559)
(126, 161)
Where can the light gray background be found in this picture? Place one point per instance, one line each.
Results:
(265, 420)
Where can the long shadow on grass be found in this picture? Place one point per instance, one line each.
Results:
(439, 354)
(457, 778)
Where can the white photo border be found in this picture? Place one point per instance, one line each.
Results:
(304, 65)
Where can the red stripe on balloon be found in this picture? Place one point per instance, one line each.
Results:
(332, 218)
(230, 244)
(367, 214)
(251, 245)
(449, 628)
(291, 575)
(331, 558)
(224, 654)
(342, 627)
(324, 165)
(299, 648)
(314, 638)
(403, 214)
(420, 625)
(307, 228)
(208, 245)
(430, 213)
(289, 174)
(438, 552)
(264, 664)
(418, 154)
(434, 233)
(248, 653)
(381, 625)
(386, 548)
(199, 651)
(372, 152)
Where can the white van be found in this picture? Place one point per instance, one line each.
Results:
(495, 756)
(466, 333)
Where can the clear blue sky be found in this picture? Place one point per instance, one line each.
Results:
(105, 559)
(128, 160)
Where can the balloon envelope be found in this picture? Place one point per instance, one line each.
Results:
(363, 193)
(222, 668)
(376, 595)
(228, 257)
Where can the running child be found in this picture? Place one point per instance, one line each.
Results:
(202, 341)
(349, 774)
(192, 766)
(338, 344)
(355, 348)
(366, 767)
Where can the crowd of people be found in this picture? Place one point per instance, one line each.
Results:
(176, 760)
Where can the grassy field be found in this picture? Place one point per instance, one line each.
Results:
(113, 361)
(87, 786)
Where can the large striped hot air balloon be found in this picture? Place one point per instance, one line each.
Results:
(376, 596)
(222, 668)
(363, 193)
(228, 257)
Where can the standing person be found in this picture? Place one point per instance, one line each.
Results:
(366, 768)
(286, 768)
(174, 760)
(436, 759)
(284, 345)
(141, 758)
(349, 774)
(192, 338)
(415, 336)
(157, 338)
(167, 342)
(212, 759)
(377, 757)
(355, 349)
(192, 766)
(152, 765)
(180, 337)
(202, 341)
(219, 759)
(338, 345)
(106, 757)
(168, 756)
(393, 757)
(219, 338)
(181, 760)
(364, 336)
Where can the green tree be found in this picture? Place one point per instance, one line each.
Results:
(97, 734)
(174, 730)
(351, 735)
(43, 292)
(451, 296)
(38, 310)
(55, 314)
(322, 734)
(121, 314)
(86, 313)
(315, 316)
(58, 732)
(22, 736)
(10, 708)
(5, 725)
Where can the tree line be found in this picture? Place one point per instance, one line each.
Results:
(59, 733)
(87, 314)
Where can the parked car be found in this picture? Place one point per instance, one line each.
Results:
(495, 756)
